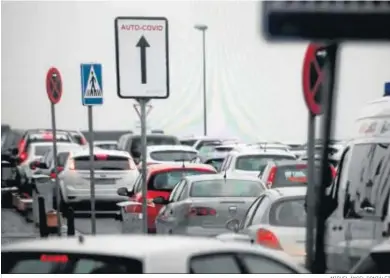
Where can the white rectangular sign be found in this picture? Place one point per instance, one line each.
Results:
(142, 58)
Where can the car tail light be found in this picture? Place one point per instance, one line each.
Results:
(267, 239)
(101, 156)
(21, 145)
(60, 169)
(201, 211)
(334, 171)
(83, 141)
(71, 164)
(23, 156)
(53, 175)
(271, 176)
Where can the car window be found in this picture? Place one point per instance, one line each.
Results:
(250, 213)
(107, 146)
(215, 162)
(288, 213)
(103, 162)
(38, 263)
(375, 263)
(261, 211)
(184, 193)
(226, 188)
(62, 157)
(41, 150)
(257, 163)
(368, 183)
(290, 175)
(165, 181)
(176, 155)
(175, 191)
(188, 142)
(214, 264)
(180, 191)
(262, 265)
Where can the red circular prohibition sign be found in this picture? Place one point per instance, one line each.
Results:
(54, 85)
(313, 78)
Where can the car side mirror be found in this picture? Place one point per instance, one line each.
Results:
(233, 225)
(160, 201)
(123, 191)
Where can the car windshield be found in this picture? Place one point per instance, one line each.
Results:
(103, 162)
(166, 181)
(153, 141)
(226, 188)
(171, 155)
(258, 163)
(289, 213)
(41, 150)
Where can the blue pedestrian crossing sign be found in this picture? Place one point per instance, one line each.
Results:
(91, 84)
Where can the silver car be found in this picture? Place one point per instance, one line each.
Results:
(202, 205)
(277, 220)
(113, 169)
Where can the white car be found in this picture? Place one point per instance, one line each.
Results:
(138, 254)
(113, 170)
(170, 153)
(251, 161)
(277, 220)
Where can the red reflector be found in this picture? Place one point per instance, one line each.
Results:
(54, 258)
(202, 211)
(47, 136)
(101, 156)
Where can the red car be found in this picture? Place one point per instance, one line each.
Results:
(161, 179)
(287, 173)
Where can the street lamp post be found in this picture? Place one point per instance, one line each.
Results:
(203, 28)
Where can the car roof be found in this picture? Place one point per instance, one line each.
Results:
(179, 165)
(143, 246)
(85, 152)
(170, 148)
(289, 162)
(251, 151)
(157, 135)
(105, 142)
(289, 191)
(221, 177)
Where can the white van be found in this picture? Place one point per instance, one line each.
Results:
(360, 192)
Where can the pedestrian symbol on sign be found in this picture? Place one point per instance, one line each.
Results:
(92, 88)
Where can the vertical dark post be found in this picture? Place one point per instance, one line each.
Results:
(43, 230)
(142, 103)
(91, 170)
(70, 222)
(311, 193)
(319, 265)
(57, 186)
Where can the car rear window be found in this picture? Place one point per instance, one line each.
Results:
(290, 175)
(42, 263)
(47, 137)
(188, 142)
(166, 181)
(103, 162)
(107, 146)
(173, 155)
(78, 138)
(289, 213)
(258, 162)
(226, 188)
(154, 141)
(41, 150)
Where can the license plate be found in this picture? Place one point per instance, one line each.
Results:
(105, 181)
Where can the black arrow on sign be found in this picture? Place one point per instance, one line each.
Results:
(142, 44)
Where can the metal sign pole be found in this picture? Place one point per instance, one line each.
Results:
(143, 102)
(57, 186)
(311, 195)
(92, 170)
(319, 265)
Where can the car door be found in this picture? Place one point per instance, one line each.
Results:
(180, 209)
(259, 217)
(165, 217)
(365, 222)
(335, 243)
